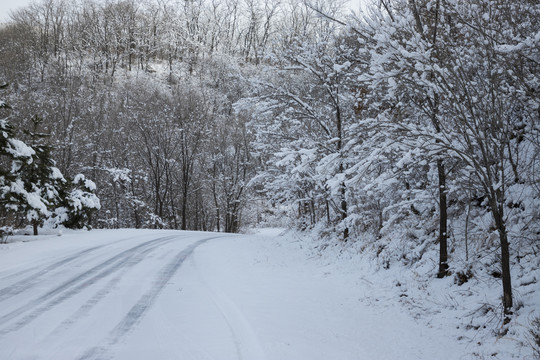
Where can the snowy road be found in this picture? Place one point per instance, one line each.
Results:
(183, 295)
(84, 302)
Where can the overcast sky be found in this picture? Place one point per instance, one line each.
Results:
(7, 5)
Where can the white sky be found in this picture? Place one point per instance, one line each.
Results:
(8, 5)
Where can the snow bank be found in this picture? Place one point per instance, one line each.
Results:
(465, 309)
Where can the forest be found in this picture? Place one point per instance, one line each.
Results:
(412, 125)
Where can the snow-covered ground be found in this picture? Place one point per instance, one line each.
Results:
(144, 294)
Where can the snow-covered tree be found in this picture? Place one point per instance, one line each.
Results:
(42, 180)
(32, 188)
(18, 194)
(78, 203)
(309, 108)
(443, 77)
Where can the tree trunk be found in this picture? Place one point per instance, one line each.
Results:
(218, 227)
(35, 226)
(343, 189)
(184, 209)
(497, 213)
(443, 222)
(327, 203)
(505, 265)
(344, 212)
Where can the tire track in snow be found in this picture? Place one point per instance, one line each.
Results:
(26, 283)
(85, 309)
(145, 302)
(245, 339)
(100, 295)
(75, 285)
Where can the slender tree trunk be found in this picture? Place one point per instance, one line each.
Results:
(186, 168)
(498, 216)
(327, 203)
(184, 209)
(443, 222)
(343, 189)
(344, 212)
(505, 265)
(35, 226)
(216, 203)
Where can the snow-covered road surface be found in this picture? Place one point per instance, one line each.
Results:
(184, 295)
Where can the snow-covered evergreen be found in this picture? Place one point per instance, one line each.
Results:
(33, 190)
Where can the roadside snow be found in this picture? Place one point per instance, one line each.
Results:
(298, 309)
(466, 317)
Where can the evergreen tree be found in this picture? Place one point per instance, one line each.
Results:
(14, 154)
(32, 188)
(78, 203)
(40, 176)
(6, 133)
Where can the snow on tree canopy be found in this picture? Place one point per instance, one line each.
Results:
(19, 149)
(56, 174)
(339, 68)
(120, 174)
(89, 184)
(81, 199)
(33, 199)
